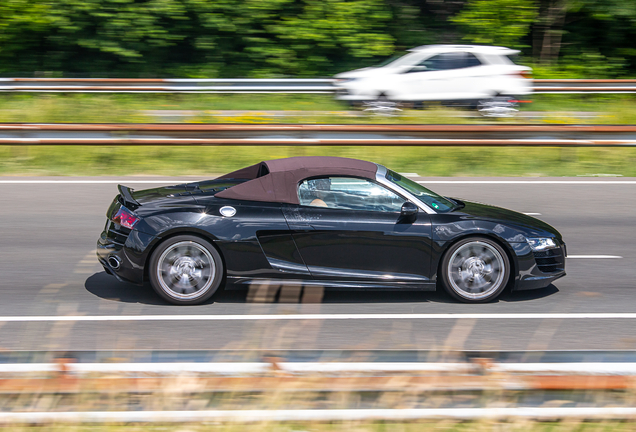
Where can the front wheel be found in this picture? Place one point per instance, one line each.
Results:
(475, 270)
(185, 270)
(382, 106)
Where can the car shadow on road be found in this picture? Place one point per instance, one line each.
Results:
(106, 287)
(535, 294)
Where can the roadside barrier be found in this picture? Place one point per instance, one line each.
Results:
(77, 388)
(246, 85)
(317, 135)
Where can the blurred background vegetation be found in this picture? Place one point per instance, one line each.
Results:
(279, 38)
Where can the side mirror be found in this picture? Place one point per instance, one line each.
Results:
(409, 211)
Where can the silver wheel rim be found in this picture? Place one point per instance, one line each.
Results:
(186, 270)
(476, 270)
(497, 107)
(382, 107)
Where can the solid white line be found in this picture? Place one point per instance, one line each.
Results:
(533, 214)
(538, 182)
(171, 181)
(594, 256)
(307, 415)
(237, 368)
(293, 317)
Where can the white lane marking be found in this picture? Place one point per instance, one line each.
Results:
(171, 181)
(532, 214)
(573, 182)
(596, 368)
(273, 317)
(594, 256)
(306, 415)
(239, 367)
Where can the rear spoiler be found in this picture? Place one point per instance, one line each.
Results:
(126, 196)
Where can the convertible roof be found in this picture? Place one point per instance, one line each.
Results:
(277, 180)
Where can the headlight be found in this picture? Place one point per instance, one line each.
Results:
(541, 244)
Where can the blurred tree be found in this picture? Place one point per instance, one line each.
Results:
(266, 38)
(548, 28)
(496, 22)
(289, 37)
(22, 22)
(325, 32)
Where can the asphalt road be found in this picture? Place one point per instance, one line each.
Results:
(48, 268)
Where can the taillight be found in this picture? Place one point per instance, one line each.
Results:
(125, 218)
(526, 74)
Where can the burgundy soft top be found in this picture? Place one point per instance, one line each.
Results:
(277, 180)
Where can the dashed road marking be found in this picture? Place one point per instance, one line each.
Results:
(594, 257)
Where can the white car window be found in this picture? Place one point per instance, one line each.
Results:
(348, 193)
(447, 61)
(470, 60)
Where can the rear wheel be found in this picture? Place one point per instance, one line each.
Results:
(497, 106)
(475, 270)
(185, 270)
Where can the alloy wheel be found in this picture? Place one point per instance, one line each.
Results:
(186, 270)
(476, 270)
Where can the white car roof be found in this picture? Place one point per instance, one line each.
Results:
(470, 48)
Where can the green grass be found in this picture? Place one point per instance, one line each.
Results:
(131, 108)
(207, 161)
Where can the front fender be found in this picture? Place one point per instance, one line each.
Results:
(513, 240)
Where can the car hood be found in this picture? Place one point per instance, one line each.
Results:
(362, 73)
(530, 225)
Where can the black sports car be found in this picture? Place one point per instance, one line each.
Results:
(327, 221)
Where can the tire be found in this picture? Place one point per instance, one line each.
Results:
(475, 270)
(185, 270)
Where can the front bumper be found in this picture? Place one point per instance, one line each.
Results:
(539, 269)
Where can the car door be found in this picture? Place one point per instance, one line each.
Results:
(445, 76)
(427, 80)
(350, 229)
(468, 77)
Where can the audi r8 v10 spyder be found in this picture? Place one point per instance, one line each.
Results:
(325, 221)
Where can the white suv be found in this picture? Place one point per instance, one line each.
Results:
(473, 75)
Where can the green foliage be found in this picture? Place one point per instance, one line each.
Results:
(208, 161)
(190, 37)
(271, 38)
(496, 22)
(586, 65)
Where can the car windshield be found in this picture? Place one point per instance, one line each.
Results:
(389, 60)
(430, 198)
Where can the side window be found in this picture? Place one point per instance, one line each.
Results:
(447, 61)
(470, 60)
(348, 193)
(435, 63)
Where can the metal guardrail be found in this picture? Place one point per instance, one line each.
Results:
(279, 85)
(300, 385)
(167, 85)
(317, 135)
